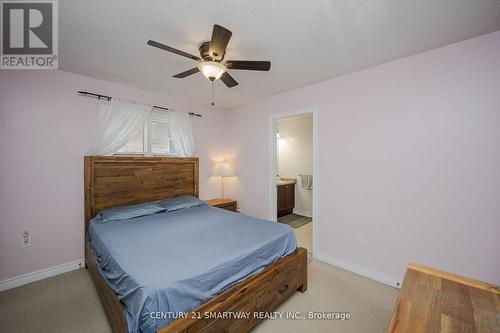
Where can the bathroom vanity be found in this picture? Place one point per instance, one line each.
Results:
(285, 188)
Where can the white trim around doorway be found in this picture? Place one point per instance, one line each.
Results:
(273, 165)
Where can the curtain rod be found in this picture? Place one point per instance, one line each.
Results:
(99, 96)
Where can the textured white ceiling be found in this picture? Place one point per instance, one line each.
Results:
(306, 41)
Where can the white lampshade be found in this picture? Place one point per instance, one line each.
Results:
(224, 169)
(211, 70)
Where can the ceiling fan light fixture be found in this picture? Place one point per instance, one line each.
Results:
(212, 54)
(212, 70)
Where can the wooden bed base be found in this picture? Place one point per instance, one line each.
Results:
(113, 181)
(262, 292)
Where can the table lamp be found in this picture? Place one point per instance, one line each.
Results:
(223, 169)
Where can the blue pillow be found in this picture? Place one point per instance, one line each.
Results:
(181, 202)
(128, 212)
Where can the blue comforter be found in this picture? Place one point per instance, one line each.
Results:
(172, 262)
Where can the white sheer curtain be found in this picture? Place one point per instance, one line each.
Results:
(119, 121)
(181, 131)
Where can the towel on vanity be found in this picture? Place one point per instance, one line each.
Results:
(306, 181)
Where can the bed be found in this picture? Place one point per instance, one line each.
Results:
(201, 261)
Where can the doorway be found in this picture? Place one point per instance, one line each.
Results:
(293, 176)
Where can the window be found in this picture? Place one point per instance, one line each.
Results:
(159, 138)
(153, 139)
(135, 145)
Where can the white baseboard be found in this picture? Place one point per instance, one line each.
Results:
(363, 271)
(302, 212)
(41, 274)
(72, 265)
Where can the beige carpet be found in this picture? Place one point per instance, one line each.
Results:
(304, 236)
(63, 303)
(69, 303)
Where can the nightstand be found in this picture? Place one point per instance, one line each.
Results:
(228, 204)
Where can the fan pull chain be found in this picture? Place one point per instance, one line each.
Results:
(213, 99)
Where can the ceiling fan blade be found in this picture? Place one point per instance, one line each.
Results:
(187, 73)
(218, 43)
(171, 49)
(228, 80)
(248, 65)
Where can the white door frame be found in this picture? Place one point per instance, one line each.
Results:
(272, 209)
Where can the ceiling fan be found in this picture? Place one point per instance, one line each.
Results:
(211, 61)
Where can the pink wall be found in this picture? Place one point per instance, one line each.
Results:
(408, 155)
(45, 130)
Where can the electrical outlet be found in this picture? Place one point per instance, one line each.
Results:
(26, 239)
(359, 238)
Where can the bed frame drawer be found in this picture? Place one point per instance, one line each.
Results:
(279, 289)
(246, 305)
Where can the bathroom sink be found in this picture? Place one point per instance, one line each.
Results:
(280, 181)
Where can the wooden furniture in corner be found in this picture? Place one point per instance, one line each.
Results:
(436, 301)
(224, 203)
(114, 181)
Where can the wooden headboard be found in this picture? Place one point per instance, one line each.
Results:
(116, 180)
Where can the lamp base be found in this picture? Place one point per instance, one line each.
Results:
(221, 187)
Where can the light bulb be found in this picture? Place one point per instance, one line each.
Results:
(211, 70)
